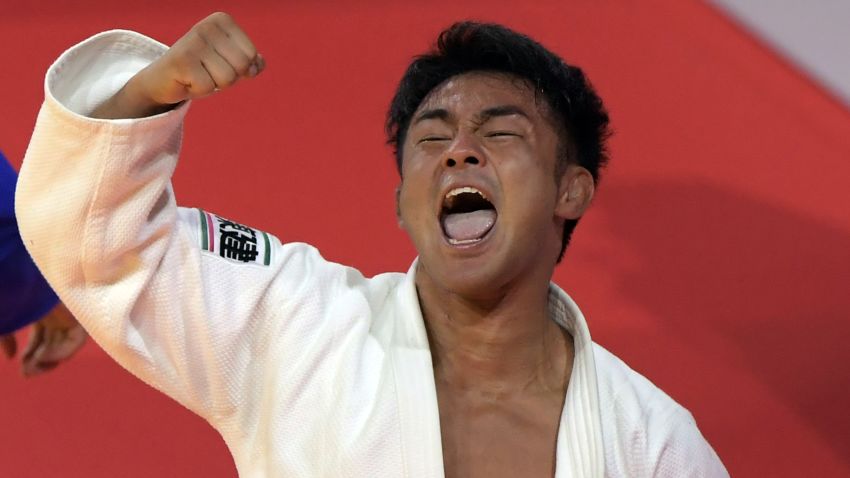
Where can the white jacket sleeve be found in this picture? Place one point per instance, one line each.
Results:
(679, 450)
(98, 215)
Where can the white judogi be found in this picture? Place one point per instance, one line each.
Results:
(305, 367)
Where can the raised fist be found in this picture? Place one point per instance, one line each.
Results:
(212, 56)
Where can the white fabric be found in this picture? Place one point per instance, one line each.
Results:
(305, 367)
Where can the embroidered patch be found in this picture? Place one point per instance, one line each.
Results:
(234, 241)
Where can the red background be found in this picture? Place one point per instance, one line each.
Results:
(715, 259)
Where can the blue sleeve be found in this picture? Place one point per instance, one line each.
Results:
(24, 294)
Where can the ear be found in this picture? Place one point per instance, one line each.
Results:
(575, 192)
(398, 206)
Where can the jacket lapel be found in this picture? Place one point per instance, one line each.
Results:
(417, 393)
(580, 447)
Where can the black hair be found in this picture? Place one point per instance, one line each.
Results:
(470, 46)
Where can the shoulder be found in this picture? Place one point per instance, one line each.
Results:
(646, 432)
(625, 392)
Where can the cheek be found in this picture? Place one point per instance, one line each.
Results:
(413, 163)
(417, 173)
(528, 176)
(519, 156)
(529, 195)
(412, 201)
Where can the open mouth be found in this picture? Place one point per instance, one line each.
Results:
(467, 216)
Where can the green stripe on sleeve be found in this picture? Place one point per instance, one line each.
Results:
(268, 254)
(205, 240)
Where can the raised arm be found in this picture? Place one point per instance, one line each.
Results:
(188, 301)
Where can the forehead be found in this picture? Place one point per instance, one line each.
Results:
(469, 93)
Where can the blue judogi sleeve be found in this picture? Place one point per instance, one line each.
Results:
(24, 294)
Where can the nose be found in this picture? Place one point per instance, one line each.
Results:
(464, 152)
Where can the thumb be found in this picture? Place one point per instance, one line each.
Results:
(35, 344)
(35, 339)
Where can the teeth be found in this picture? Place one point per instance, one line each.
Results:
(466, 189)
(456, 242)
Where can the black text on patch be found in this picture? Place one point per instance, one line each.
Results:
(234, 241)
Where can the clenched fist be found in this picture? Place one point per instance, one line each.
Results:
(212, 56)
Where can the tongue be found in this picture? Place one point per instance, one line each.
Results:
(469, 225)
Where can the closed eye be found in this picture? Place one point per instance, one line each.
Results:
(433, 138)
(501, 133)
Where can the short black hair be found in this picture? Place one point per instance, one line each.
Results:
(471, 46)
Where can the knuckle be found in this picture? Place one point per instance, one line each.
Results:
(230, 78)
(206, 28)
(241, 67)
(194, 41)
(224, 79)
(221, 17)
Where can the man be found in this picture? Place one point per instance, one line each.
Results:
(471, 364)
(25, 297)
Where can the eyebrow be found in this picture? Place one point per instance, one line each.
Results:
(481, 118)
(505, 110)
(436, 113)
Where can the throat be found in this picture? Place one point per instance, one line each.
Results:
(504, 342)
(501, 358)
(502, 372)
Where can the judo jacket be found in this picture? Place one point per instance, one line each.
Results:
(305, 367)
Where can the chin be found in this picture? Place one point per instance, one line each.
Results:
(473, 276)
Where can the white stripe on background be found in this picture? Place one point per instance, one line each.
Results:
(813, 34)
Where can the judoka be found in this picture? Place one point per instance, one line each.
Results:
(472, 364)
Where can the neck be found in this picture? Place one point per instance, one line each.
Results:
(503, 344)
